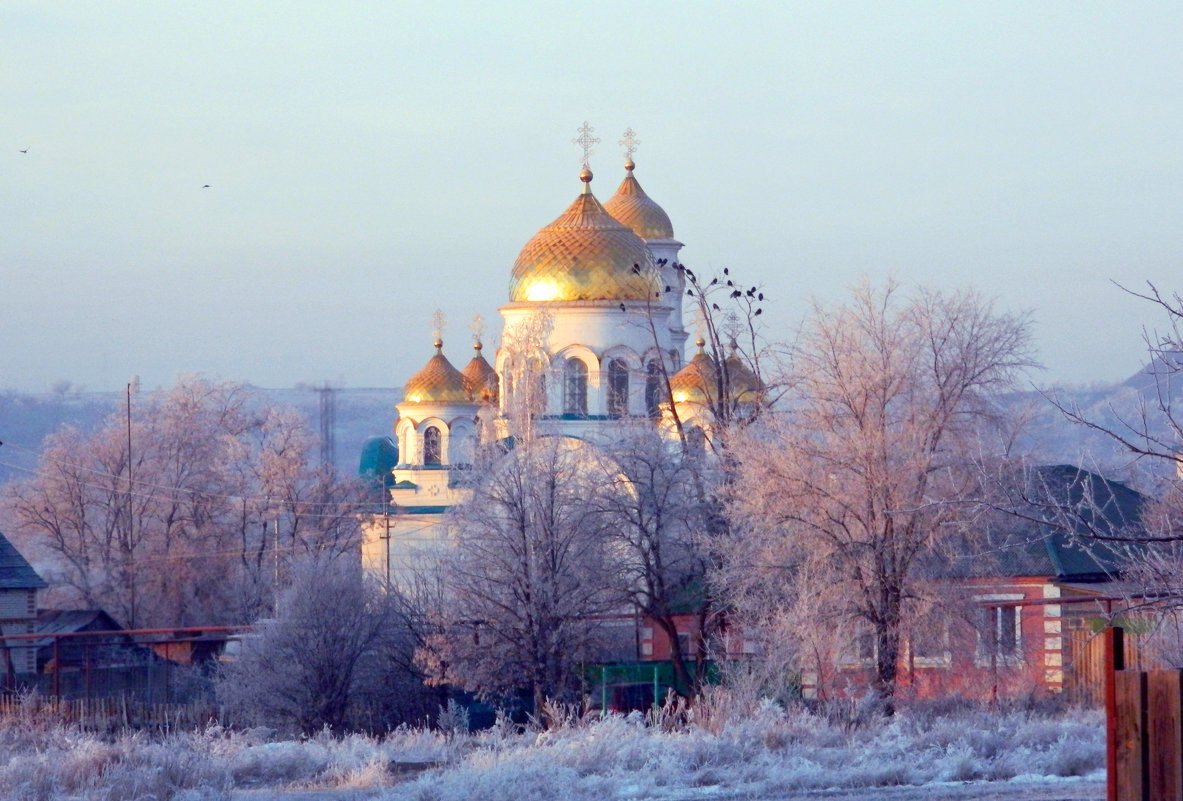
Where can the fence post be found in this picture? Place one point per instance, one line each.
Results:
(1114, 661)
(57, 668)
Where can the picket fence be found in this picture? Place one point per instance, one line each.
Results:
(107, 714)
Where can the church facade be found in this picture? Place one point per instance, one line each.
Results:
(593, 334)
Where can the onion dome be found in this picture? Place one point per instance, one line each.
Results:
(695, 383)
(632, 207)
(379, 455)
(586, 254)
(745, 385)
(480, 378)
(437, 382)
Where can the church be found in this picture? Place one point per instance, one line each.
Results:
(592, 335)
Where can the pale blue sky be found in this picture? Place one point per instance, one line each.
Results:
(370, 162)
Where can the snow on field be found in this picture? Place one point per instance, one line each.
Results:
(769, 753)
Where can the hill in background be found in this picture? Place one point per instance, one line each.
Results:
(1048, 437)
(26, 419)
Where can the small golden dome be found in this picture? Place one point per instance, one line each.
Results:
(437, 382)
(745, 385)
(480, 378)
(695, 383)
(585, 254)
(631, 206)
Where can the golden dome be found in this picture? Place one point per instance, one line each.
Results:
(585, 254)
(745, 385)
(695, 383)
(480, 378)
(437, 382)
(632, 207)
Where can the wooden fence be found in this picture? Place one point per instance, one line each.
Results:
(1144, 727)
(107, 714)
(1084, 666)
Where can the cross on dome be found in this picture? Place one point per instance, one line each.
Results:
(629, 142)
(587, 141)
(477, 326)
(438, 324)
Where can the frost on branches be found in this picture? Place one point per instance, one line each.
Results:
(847, 494)
(184, 508)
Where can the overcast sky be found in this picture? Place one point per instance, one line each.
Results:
(369, 163)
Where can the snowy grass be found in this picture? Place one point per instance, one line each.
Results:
(760, 751)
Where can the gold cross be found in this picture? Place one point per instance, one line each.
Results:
(586, 141)
(478, 328)
(629, 142)
(438, 323)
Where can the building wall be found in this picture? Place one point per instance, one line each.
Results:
(18, 615)
(1012, 649)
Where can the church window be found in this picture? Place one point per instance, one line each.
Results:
(653, 389)
(432, 447)
(575, 388)
(617, 388)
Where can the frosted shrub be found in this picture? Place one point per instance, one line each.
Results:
(275, 763)
(452, 719)
(1074, 756)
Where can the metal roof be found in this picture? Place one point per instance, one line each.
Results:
(15, 571)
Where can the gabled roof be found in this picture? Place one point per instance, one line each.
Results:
(1060, 507)
(15, 572)
(69, 621)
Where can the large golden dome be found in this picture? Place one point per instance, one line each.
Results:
(586, 254)
(632, 207)
(437, 382)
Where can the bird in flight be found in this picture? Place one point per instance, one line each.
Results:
(26, 150)
(205, 187)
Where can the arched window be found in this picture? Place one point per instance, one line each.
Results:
(617, 388)
(575, 388)
(432, 447)
(654, 388)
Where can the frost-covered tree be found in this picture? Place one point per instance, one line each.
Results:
(657, 523)
(851, 489)
(336, 655)
(183, 508)
(527, 575)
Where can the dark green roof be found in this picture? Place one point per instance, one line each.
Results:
(15, 572)
(1060, 507)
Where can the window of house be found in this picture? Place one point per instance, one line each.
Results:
(575, 388)
(617, 388)
(929, 642)
(686, 645)
(432, 447)
(654, 393)
(999, 633)
(864, 646)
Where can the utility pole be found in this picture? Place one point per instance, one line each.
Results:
(132, 386)
(328, 422)
(276, 582)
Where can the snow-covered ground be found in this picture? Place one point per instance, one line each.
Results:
(769, 753)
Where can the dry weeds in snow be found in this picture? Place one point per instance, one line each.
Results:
(765, 753)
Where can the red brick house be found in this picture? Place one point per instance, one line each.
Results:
(1017, 605)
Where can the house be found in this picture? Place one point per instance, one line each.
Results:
(19, 585)
(1018, 605)
(56, 652)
